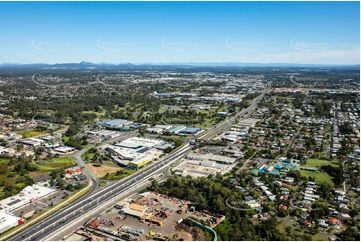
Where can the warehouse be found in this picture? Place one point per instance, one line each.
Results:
(211, 157)
(103, 134)
(191, 131)
(119, 124)
(139, 212)
(159, 129)
(203, 165)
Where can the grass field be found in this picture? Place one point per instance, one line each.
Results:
(31, 133)
(319, 237)
(55, 163)
(319, 163)
(118, 174)
(320, 177)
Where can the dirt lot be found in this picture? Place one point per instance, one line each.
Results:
(104, 169)
(118, 223)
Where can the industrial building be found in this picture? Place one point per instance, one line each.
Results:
(177, 130)
(203, 165)
(118, 124)
(101, 135)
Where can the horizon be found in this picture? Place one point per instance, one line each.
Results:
(298, 33)
(205, 64)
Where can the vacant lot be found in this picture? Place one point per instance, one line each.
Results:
(101, 171)
(118, 174)
(55, 163)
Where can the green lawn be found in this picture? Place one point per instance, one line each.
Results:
(31, 133)
(318, 163)
(320, 177)
(319, 237)
(56, 163)
(118, 174)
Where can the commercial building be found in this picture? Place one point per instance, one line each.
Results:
(119, 124)
(8, 221)
(32, 142)
(26, 196)
(220, 159)
(159, 129)
(203, 165)
(136, 152)
(64, 149)
(101, 135)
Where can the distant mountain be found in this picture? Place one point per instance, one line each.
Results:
(89, 65)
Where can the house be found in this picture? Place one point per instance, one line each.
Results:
(322, 223)
(73, 171)
(333, 221)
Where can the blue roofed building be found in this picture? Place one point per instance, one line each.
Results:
(119, 124)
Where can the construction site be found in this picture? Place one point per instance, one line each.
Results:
(148, 216)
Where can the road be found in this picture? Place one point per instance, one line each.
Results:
(86, 204)
(79, 160)
(74, 211)
(226, 124)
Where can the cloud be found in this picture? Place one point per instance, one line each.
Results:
(304, 52)
(307, 46)
(242, 46)
(113, 46)
(178, 46)
(49, 46)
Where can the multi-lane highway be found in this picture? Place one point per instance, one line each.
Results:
(86, 204)
(226, 124)
(74, 211)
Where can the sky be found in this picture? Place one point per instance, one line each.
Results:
(180, 32)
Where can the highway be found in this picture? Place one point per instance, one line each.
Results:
(77, 209)
(74, 211)
(226, 124)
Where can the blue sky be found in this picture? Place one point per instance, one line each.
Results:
(163, 32)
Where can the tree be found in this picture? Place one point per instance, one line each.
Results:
(350, 234)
